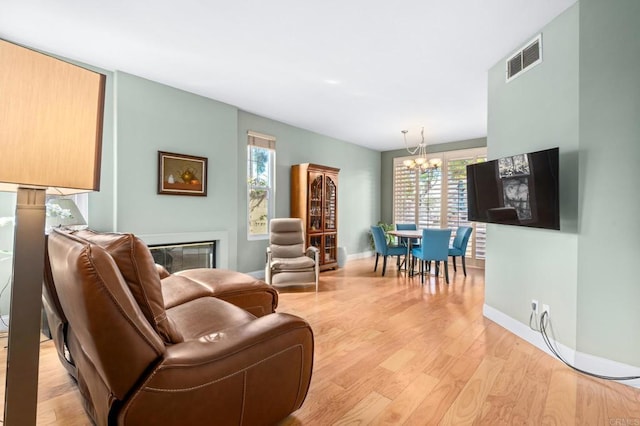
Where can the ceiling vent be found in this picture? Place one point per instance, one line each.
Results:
(525, 58)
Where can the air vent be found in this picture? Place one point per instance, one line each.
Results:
(525, 58)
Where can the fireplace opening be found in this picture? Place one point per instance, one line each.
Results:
(180, 256)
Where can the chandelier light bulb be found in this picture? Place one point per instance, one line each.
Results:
(420, 151)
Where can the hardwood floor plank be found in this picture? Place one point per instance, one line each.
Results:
(399, 359)
(399, 380)
(533, 393)
(464, 341)
(560, 405)
(365, 411)
(624, 405)
(406, 402)
(468, 405)
(435, 405)
(591, 402)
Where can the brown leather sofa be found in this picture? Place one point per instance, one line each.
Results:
(200, 347)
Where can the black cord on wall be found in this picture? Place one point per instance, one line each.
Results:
(544, 322)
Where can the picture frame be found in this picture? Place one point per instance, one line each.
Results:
(181, 174)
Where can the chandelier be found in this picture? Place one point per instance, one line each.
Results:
(421, 160)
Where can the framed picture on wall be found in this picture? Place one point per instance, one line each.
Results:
(180, 174)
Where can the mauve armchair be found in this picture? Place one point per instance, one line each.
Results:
(289, 263)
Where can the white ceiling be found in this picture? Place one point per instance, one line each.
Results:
(355, 70)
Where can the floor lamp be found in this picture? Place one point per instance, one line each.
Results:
(51, 116)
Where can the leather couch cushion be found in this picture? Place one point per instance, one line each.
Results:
(207, 317)
(177, 290)
(136, 264)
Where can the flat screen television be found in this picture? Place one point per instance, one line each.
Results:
(520, 190)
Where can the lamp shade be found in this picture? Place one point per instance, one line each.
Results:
(50, 122)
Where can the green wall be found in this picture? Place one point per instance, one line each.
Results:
(584, 99)
(538, 110)
(386, 177)
(358, 189)
(609, 243)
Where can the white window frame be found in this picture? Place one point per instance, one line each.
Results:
(259, 140)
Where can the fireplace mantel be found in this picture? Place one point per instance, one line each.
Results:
(221, 238)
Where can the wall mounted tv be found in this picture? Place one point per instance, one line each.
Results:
(520, 190)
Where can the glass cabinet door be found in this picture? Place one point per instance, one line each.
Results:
(330, 204)
(316, 241)
(315, 202)
(329, 249)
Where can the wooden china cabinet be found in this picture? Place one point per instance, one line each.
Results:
(314, 199)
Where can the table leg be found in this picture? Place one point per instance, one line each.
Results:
(408, 258)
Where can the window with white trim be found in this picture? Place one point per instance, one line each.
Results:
(437, 198)
(261, 159)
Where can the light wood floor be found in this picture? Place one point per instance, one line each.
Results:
(390, 351)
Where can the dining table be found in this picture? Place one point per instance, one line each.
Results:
(410, 235)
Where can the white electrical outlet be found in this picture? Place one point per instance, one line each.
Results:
(545, 308)
(534, 306)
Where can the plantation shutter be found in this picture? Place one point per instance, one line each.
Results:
(479, 237)
(404, 194)
(430, 198)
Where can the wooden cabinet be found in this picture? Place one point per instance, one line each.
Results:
(314, 199)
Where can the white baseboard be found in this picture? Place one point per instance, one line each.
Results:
(361, 255)
(258, 275)
(580, 360)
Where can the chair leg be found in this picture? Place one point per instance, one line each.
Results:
(384, 265)
(421, 271)
(454, 263)
(464, 267)
(446, 272)
(437, 268)
(375, 268)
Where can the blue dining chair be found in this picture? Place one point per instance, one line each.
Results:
(384, 249)
(459, 246)
(435, 246)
